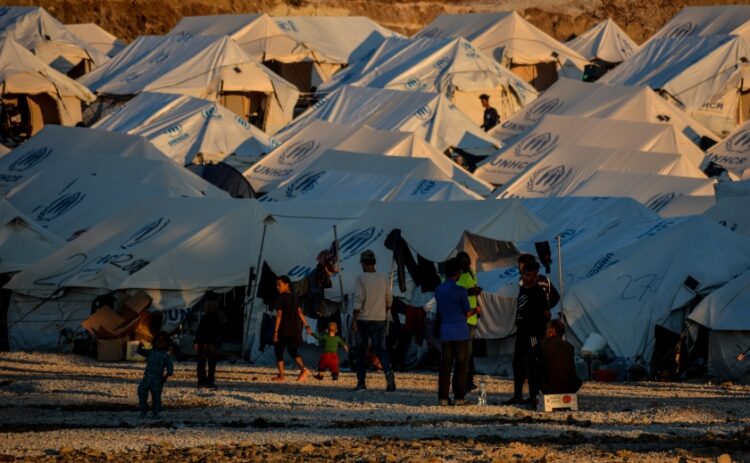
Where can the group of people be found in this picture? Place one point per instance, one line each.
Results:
(540, 357)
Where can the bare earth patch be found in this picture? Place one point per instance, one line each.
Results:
(68, 408)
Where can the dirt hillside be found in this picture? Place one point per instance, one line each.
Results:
(560, 18)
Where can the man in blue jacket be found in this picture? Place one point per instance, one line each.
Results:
(452, 311)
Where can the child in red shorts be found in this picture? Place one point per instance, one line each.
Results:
(329, 359)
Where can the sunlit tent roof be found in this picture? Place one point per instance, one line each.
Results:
(554, 132)
(185, 127)
(605, 41)
(303, 148)
(707, 20)
(733, 153)
(209, 67)
(429, 115)
(97, 37)
(49, 39)
(55, 143)
(704, 74)
(452, 67)
(587, 99)
(51, 96)
(514, 42)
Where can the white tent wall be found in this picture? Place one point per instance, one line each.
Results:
(554, 132)
(93, 35)
(49, 39)
(514, 42)
(731, 212)
(429, 115)
(454, 68)
(52, 97)
(704, 74)
(605, 41)
(185, 128)
(587, 99)
(22, 241)
(642, 290)
(733, 153)
(707, 20)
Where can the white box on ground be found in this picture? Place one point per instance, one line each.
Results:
(554, 402)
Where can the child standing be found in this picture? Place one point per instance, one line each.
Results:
(154, 377)
(329, 359)
(287, 333)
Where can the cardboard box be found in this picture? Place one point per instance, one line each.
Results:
(134, 305)
(102, 323)
(554, 402)
(105, 323)
(110, 350)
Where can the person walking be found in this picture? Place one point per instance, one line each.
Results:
(207, 344)
(373, 297)
(287, 334)
(452, 311)
(491, 117)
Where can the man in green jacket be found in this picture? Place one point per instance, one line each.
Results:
(469, 281)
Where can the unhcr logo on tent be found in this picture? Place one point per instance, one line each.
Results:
(739, 142)
(242, 122)
(602, 264)
(424, 113)
(211, 113)
(543, 107)
(357, 241)
(471, 52)
(132, 77)
(30, 159)
(298, 152)
(415, 84)
(60, 206)
(443, 62)
(548, 178)
(680, 30)
(537, 145)
(176, 134)
(658, 202)
(160, 58)
(145, 232)
(424, 187)
(304, 184)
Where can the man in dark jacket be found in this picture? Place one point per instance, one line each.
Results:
(207, 343)
(552, 364)
(532, 315)
(491, 117)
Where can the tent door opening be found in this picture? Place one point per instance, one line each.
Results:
(540, 75)
(249, 106)
(300, 73)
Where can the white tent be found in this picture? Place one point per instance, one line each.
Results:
(707, 20)
(303, 50)
(514, 42)
(704, 74)
(94, 35)
(209, 67)
(429, 115)
(624, 302)
(726, 313)
(174, 248)
(41, 94)
(22, 241)
(184, 127)
(731, 212)
(605, 42)
(585, 99)
(74, 193)
(554, 132)
(55, 143)
(299, 151)
(733, 153)
(49, 39)
(452, 67)
(571, 169)
(657, 192)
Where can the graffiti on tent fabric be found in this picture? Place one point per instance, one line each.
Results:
(637, 288)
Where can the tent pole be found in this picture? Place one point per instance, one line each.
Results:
(254, 292)
(560, 272)
(341, 282)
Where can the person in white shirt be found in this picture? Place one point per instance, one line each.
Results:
(373, 297)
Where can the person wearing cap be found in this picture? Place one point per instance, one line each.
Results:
(373, 297)
(468, 280)
(491, 117)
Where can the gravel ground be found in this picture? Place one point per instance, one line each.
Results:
(68, 408)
